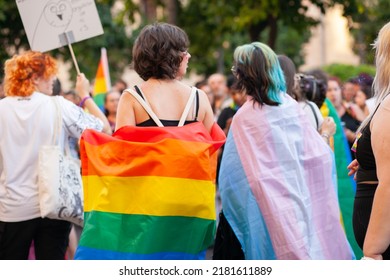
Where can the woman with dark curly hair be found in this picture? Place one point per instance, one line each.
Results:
(160, 57)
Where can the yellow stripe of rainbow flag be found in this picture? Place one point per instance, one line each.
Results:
(152, 193)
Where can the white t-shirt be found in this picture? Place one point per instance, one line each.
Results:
(310, 109)
(25, 125)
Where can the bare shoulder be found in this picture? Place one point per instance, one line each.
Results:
(206, 114)
(380, 125)
(127, 96)
(385, 104)
(203, 96)
(204, 100)
(383, 112)
(127, 93)
(125, 112)
(380, 140)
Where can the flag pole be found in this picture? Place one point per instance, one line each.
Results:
(106, 71)
(72, 53)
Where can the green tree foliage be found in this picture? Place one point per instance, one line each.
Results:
(366, 18)
(345, 71)
(217, 27)
(12, 34)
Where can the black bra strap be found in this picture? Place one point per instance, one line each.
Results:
(139, 92)
(197, 105)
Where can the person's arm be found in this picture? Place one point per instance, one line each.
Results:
(125, 112)
(377, 238)
(349, 134)
(352, 168)
(328, 129)
(82, 90)
(357, 112)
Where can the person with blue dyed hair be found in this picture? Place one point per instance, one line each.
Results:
(277, 178)
(260, 74)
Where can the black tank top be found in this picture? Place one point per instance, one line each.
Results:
(365, 156)
(151, 122)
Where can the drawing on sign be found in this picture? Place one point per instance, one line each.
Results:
(55, 23)
(58, 14)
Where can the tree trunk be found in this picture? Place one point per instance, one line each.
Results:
(148, 8)
(254, 32)
(256, 29)
(171, 8)
(273, 32)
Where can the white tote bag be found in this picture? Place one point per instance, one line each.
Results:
(59, 179)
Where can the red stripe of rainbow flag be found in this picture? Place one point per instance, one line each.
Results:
(149, 192)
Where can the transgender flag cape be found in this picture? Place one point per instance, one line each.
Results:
(278, 186)
(149, 192)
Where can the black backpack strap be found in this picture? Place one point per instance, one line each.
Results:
(314, 113)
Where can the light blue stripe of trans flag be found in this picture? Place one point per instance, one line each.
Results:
(241, 209)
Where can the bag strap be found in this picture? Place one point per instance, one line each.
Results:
(57, 121)
(146, 106)
(188, 107)
(58, 126)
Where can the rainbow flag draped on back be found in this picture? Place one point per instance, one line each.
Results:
(346, 184)
(278, 189)
(102, 80)
(149, 192)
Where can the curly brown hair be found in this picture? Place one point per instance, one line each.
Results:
(21, 70)
(158, 51)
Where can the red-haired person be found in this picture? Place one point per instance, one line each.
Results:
(27, 122)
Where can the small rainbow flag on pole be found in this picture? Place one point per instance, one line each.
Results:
(102, 80)
(149, 192)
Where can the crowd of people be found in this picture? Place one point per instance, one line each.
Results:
(265, 179)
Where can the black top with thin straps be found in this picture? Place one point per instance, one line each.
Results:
(365, 190)
(365, 156)
(151, 122)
